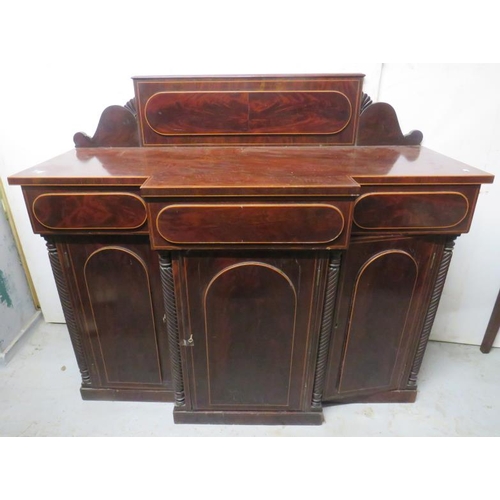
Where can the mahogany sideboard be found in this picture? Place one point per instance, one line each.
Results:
(251, 248)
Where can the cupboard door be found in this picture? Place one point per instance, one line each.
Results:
(382, 296)
(118, 294)
(248, 330)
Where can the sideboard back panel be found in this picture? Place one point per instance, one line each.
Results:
(248, 110)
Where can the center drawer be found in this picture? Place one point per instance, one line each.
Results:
(323, 224)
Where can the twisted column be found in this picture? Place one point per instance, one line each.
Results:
(326, 329)
(431, 311)
(69, 315)
(167, 284)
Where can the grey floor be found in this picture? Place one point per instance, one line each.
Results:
(459, 395)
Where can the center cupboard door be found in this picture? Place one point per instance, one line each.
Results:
(249, 329)
(383, 293)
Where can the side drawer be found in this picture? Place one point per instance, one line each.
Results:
(319, 224)
(440, 209)
(56, 211)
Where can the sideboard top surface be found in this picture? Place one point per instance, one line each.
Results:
(214, 170)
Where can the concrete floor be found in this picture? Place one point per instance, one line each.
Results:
(459, 395)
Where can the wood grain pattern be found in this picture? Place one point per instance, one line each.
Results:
(410, 210)
(87, 210)
(313, 113)
(197, 113)
(250, 223)
(242, 113)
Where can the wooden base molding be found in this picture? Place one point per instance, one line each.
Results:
(398, 396)
(248, 417)
(97, 394)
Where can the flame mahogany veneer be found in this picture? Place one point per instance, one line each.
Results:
(251, 248)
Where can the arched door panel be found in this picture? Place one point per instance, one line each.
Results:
(252, 322)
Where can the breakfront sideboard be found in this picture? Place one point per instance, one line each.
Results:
(250, 248)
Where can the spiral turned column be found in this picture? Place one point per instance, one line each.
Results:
(431, 311)
(69, 314)
(326, 329)
(167, 283)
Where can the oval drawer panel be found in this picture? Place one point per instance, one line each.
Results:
(73, 211)
(248, 113)
(250, 223)
(412, 210)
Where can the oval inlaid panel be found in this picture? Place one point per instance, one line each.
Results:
(120, 297)
(90, 211)
(250, 223)
(243, 113)
(382, 297)
(433, 210)
(250, 327)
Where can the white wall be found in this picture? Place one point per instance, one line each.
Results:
(16, 304)
(66, 64)
(457, 106)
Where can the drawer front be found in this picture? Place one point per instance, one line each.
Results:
(423, 211)
(318, 224)
(62, 211)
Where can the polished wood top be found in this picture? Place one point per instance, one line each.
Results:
(251, 170)
(312, 76)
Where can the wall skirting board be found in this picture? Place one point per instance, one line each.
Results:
(21, 338)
